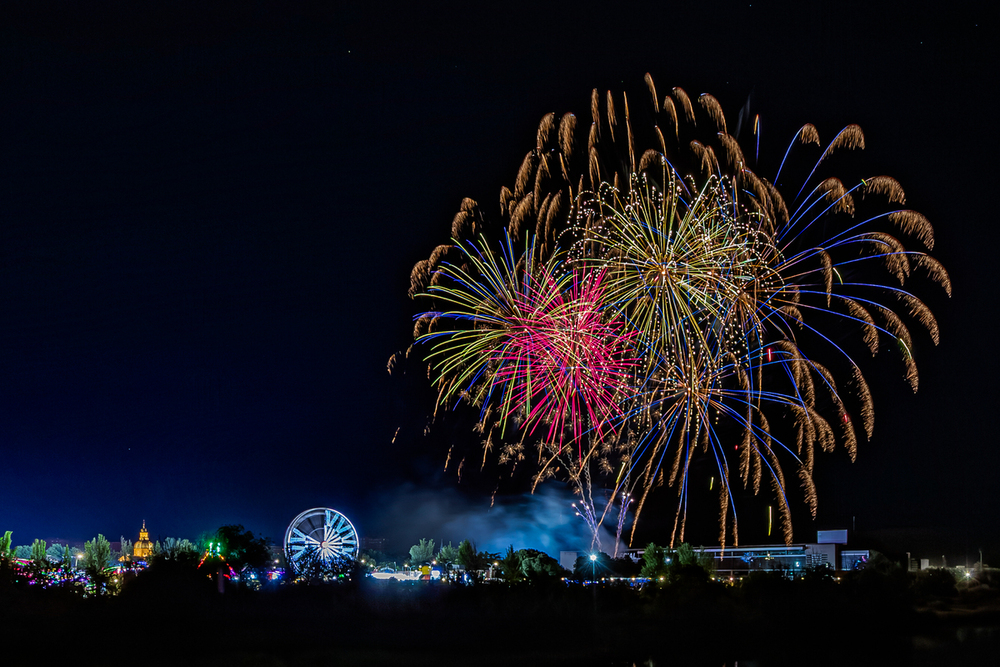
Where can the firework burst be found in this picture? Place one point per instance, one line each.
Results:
(531, 340)
(666, 305)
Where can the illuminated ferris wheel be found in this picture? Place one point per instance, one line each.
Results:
(320, 534)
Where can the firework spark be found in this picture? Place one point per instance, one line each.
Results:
(658, 316)
(532, 339)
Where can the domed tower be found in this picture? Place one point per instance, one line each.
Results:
(142, 549)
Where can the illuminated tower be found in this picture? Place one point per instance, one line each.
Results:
(142, 549)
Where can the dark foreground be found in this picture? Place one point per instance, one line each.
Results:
(377, 623)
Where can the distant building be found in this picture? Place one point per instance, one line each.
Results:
(793, 559)
(143, 548)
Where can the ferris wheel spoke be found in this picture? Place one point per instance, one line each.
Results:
(308, 539)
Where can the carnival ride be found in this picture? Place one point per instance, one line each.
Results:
(320, 534)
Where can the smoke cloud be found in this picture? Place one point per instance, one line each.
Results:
(544, 520)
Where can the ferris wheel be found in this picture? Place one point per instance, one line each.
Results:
(320, 533)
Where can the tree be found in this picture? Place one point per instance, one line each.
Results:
(538, 567)
(469, 558)
(707, 562)
(126, 551)
(174, 549)
(56, 553)
(6, 571)
(688, 567)
(447, 555)
(23, 552)
(685, 554)
(98, 558)
(240, 548)
(422, 552)
(174, 571)
(374, 558)
(510, 566)
(38, 555)
(654, 562)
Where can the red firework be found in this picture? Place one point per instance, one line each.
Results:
(564, 363)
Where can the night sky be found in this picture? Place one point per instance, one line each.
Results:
(208, 218)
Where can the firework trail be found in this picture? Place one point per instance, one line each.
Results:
(662, 306)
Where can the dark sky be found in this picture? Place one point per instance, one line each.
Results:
(208, 217)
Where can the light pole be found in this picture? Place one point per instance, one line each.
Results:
(593, 566)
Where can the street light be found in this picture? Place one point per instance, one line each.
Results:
(593, 565)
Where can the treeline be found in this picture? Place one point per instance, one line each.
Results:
(517, 565)
(518, 603)
(99, 570)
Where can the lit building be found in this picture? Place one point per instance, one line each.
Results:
(793, 560)
(143, 548)
(829, 549)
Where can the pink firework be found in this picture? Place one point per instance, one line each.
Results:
(563, 362)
